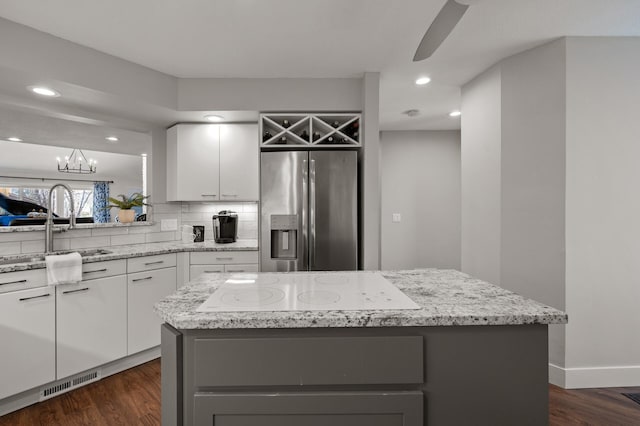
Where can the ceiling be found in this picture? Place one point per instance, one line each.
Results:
(326, 38)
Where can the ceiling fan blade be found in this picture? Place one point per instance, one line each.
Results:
(440, 28)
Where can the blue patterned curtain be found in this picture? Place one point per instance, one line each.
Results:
(100, 201)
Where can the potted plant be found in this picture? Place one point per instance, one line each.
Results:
(126, 214)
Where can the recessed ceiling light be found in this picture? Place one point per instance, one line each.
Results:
(14, 139)
(112, 139)
(44, 91)
(214, 118)
(455, 114)
(422, 81)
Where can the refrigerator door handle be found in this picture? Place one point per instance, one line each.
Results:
(312, 214)
(305, 225)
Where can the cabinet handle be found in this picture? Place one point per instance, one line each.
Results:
(22, 299)
(235, 270)
(224, 258)
(229, 195)
(154, 263)
(97, 270)
(76, 291)
(211, 272)
(141, 279)
(208, 195)
(14, 282)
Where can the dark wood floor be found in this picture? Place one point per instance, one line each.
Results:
(133, 398)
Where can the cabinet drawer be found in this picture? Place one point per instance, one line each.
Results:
(223, 257)
(308, 361)
(241, 268)
(148, 263)
(196, 270)
(21, 280)
(109, 268)
(391, 408)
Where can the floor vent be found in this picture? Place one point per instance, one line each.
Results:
(69, 384)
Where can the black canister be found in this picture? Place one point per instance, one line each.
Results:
(225, 227)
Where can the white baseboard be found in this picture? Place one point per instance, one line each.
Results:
(32, 396)
(594, 377)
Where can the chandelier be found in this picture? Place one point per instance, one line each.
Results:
(77, 163)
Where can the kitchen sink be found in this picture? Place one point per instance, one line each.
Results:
(84, 253)
(15, 260)
(40, 257)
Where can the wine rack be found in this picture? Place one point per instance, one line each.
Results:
(327, 130)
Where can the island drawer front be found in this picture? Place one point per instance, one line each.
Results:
(223, 257)
(310, 409)
(308, 361)
(22, 280)
(148, 263)
(108, 268)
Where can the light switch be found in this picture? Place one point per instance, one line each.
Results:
(169, 225)
(396, 218)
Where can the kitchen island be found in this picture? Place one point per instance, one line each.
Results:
(473, 353)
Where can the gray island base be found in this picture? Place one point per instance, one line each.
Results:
(479, 359)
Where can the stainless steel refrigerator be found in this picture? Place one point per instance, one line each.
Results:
(309, 213)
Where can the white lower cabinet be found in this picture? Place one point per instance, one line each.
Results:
(144, 290)
(91, 324)
(27, 332)
(241, 268)
(195, 270)
(222, 261)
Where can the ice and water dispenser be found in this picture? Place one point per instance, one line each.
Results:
(284, 236)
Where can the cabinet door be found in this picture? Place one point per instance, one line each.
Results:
(145, 289)
(193, 162)
(309, 409)
(91, 324)
(239, 153)
(27, 333)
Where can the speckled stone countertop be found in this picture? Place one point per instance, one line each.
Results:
(447, 298)
(35, 261)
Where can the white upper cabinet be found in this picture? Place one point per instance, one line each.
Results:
(193, 162)
(239, 153)
(212, 162)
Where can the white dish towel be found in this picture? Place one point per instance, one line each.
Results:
(64, 269)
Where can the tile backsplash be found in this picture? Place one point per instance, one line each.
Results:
(12, 243)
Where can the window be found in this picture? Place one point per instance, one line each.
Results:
(82, 197)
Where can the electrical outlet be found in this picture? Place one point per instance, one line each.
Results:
(169, 225)
(396, 218)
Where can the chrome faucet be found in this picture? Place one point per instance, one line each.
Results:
(48, 226)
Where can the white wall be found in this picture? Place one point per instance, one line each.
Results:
(369, 174)
(420, 173)
(481, 165)
(569, 206)
(532, 245)
(603, 212)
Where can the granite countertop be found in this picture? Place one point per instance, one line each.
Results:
(34, 261)
(447, 298)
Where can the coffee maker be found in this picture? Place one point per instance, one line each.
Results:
(225, 226)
